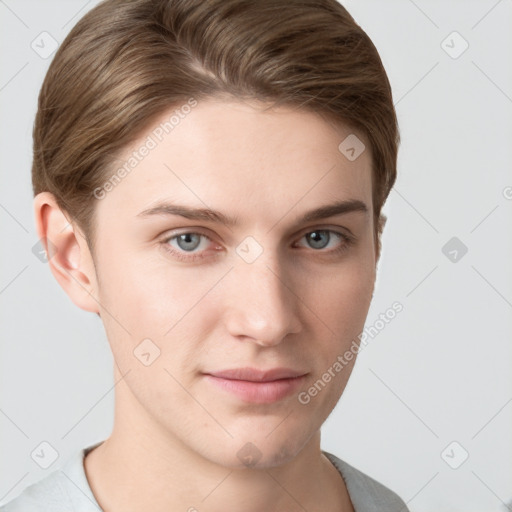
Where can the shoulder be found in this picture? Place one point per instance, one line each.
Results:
(64, 490)
(367, 494)
(45, 495)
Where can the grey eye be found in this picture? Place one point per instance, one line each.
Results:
(318, 239)
(188, 241)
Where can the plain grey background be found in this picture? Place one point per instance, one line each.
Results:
(428, 409)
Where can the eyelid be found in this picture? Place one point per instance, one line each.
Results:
(168, 235)
(194, 231)
(333, 229)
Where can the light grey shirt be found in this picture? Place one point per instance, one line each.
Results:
(67, 490)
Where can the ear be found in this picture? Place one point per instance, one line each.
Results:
(67, 252)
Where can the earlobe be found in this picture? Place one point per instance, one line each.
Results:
(67, 252)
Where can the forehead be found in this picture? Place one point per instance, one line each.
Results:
(241, 157)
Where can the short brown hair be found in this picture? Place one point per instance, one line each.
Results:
(128, 61)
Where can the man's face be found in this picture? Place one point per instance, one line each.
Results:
(218, 328)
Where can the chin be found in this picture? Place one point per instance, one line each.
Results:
(257, 449)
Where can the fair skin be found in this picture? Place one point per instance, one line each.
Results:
(178, 430)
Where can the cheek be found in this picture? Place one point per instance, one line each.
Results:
(340, 303)
(152, 300)
(147, 293)
(342, 295)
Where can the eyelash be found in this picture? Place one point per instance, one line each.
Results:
(347, 242)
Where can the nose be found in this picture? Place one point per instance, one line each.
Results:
(262, 305)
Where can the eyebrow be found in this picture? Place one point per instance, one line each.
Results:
(209, 215)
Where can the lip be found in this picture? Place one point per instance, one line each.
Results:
(258, 386)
